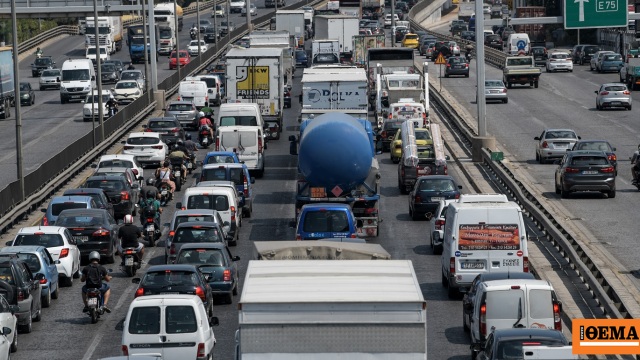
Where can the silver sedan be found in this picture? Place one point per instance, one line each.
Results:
(613, 95)
(554, 143)
(495, 90)
(50, 78)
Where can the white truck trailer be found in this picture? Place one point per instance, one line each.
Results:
(293, 22)
(256, 75)
(276, 39)
(327, 309)
(325, 51)
(340, 27)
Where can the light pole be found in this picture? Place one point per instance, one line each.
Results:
(248, 10)
(16, 89)
(175, 10)
(393, 23)
(99, 72)
(199, 28)
(228, 12)
(153, 52)
(215, 24)
(146, 56)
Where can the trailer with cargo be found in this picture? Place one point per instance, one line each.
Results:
(361, 45)
(334, 90)
(7, 78)
(536, 32)
(167, 17)
(325, 51)
(293, 22)
(373, 7)
(420, 160)
(387, 61)
(349, 8)
(277, 39)
(326, 249)
(110, 32)
(340, 27)
(256, 75)
(390, 88)
(300, 309)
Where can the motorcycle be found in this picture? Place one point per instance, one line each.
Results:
(193, 33)
(204, 137)
(131, 261)
(191, 163)
(176, 169)
(112, 110)
(95, 303)
(150, 229)
(165, 193)
(467, 55)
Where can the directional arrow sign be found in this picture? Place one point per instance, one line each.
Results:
(584, 14)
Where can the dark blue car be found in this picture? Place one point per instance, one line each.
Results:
(220, 157)
(326, 220)
(301, 58)
(427, 193)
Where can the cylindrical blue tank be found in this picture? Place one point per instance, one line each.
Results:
(335, 150)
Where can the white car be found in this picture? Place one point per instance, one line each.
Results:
(387, 20)
(252, 9)
(455, 48)
(60, 244)
(8, 339)
(136, 75)
(219, 11)
(486, 9)
(126, 91)
(437, 226)
(237, 6)
(146, 147)
(193, 47)
(559, 61)
(92, 103)
(50, 78)
(121, 160)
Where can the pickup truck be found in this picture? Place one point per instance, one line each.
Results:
(520, 70)
(630, 73)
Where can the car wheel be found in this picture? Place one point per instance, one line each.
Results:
(505, 101)
(444, 280)
(14, 343)
(598, 106)
(67, 281)
(28, 327)
(629, 108)
(110, 259)
(46, 300)
(557, 189)
(235, 289)
(452, 292)
(38, 313)
(465, 327)
(54, 294)
(563, 194)
(41, 88)
(612, 194)
(437, 250)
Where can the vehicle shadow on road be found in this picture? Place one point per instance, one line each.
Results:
(389, 191)
(423, 250)
(274, 198)
(82, 320)
(456, 335)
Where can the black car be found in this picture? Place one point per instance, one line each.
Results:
(457, 65)
(599, 145)
(168, 127)
(402, 6)
(194, 232)
(21, 288)
(437, 47)
(175, 279)
(43, 63)
(494, 41)
(117, 63)
(93, 230)
(301, 58)
(468, 35)
(427, 193)
(469, 296)
(122, 196)
(27, 95)
(210, 35)
(109, 73)
(98, 195)
(585, 170)
(400, 32)
(508, 343)
(539, 54)
(582, 53)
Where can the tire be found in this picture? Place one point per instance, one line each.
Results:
(178, 184)
(629, 108)
(228, 299)
(446, 75)
(67, 281)
(38, 314)
(14, 343)
(28, 327)
(612, 194)
(94, 315)
(46, 300)
(40, 88)
(437, 250)
(260, 173)
(505, 101)
(557, 190)
(535, 84)
(452, 292)
(465, 327)
(444, 281)
(414, 215)
(130, 271)
(563, 194)
(235, 290)
(110, 259)
(55, 294)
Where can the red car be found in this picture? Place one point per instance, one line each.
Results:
(185, 58)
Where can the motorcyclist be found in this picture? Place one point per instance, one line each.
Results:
(635, 166)
(128, 234)
(149, 189)
(178, 154)
(205, 121)
(193, 31)
(151, 200)
(467, 51)
(163, 174)
(38, 52)
(112, 105)
(131, 67)
(190, 144)
(93, 276)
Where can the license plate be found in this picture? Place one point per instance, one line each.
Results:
(205, 140)
(494, 91)
(589, 172)
(164, 192)
(561, 144)
(172, 292)
(434, 199)
(189, 165)
(128, 261)
(510, 262)
(177, 173)
(151, 228)
(81, 238)
(472, 265)
(92, 301)
(615, 103)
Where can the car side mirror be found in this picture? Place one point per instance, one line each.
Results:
(135, 280)
(428, 216)
(44, 210)
(614, 149)
(6, 330)
(8, 243)
(213, 321)
(93, 78)
(579, 137)
(596, 91)
(537, 138)
(58, 79)
(236, 258)
(94, 166)
(468, 308)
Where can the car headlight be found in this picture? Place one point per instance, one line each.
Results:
(63, 89)
(87, 111)
(87, 88)
(137, 92)
(24, 96)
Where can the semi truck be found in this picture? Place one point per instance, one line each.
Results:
(341, 27)
(135, 40)
(345, 172)
(390, 88)
(325, 52)
(361, 44)
(256, 75)
(293, 22)
(167, 38)
(7, 91)
(350, 8)
(392, 60)
(165, 16)
(277, 39)
(334, 90)
(536, 32)
(110, 33)
(300, 309)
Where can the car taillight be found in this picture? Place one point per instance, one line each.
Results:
(612, 157)
(125, 350)
(448, 65)
(246, 187)
(124, 195)
(483, 319)
(64, 253)
(217, 144)
(139, 292)
(101, 232)
(545, 144)
(402, 171)
(572, 170)
(259, 144)
(175, 130)
(200, 354)
(418, 199)
(504, 91)
(233, 213)
(298, 237)
(45, 221)
(157, 147)
(20, 295)
(128, 147)
(525, 264)
(457, 196)
(200, 293)
(148, 130)
(608, 169)
(557, 322)
(439, 224)
(226, 275)
(604, 93)
(466, 65)
(626, 92)
(452, 265)
(43, 281)
(172, 249)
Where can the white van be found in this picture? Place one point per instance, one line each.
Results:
(173, 326)
(482, 233)
(519, 43)
(512, 303)
(245, 141)
(214, 86)
(78, 78)
(103, 54)
(222, 199)
(239, 114)
(195, 91)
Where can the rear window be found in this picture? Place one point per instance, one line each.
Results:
(79, 221)
(238, 121)
(109, 185)
(560, 135)
(211, 82)
(197, 235)
(180, 320)
(601, 146)
(326, 221)
(512, 349)
(212, 257)
(559, 56)
(393, 124)
(411, 37)
(115, 164)
(161, 124)
(213, 202)
(437, 185)
(616, 88)
(182, 219)
(170, 277)
(493, 83)
(505, 304)
(590, 49)
(144, 140)
(220, 159)
(540, 304)
(589, 160)
(180, 107)
(46, 240)
(613, 58)
(145, 320)
(32, 260)
(6, 274)
(56, 209)
(246, 139)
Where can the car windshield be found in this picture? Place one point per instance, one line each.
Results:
(238, 121)
(180, 107)
(51, 73)
(615, 88)
(437, 185)
(210, 257)
(196, 235)
(115, 163)
(493, 83)
(560, 135)
(213, 202)
(57, 208)
(24, 87)
(589, 160)
(82, 221)
(143, 140)
(326, 221)
(108, 68)
(161, 124)
(422, 135)
(593, 145)
(181, 219)
(133, 75)
(46, 240)
(182, 53)
(96, 99)
(42, 62)
(170, 277)
(92, 51)
(126, 85)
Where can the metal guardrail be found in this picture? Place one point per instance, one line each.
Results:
(46, 35)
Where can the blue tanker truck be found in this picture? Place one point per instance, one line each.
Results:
(337, 164)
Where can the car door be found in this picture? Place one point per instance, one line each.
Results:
(74, 252)
(143, 331)
(7, 319)
(52, 270)
(31, 285)
(181, 327)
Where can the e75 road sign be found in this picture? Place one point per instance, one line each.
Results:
(584, 14)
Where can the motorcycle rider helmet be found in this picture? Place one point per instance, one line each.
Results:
(128, 219)
(179, 143)
(150, 194)
(200, 114)
(188, 137)
(151, 181)
(94, 255)
(176, 147)
(38, 48)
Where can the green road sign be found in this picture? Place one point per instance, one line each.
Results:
(584, 14)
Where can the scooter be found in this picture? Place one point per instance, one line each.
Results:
(165, 193)
(112, 110)
(176, 169)
(204, 137)
(191, 163)
(95, 302)
(467, 55)
(131, 261)
(193, 33)
(150, 229)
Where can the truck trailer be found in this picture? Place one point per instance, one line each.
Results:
(293, 22)
(340, 27)
(135, 40)
(7, 91)
(276, 39)
(327, 309)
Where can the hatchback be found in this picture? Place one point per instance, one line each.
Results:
(495, 90)
(253, 10)
(93, 230)
(175, 279)
(559, 61)
(326, 220)
(613, 95)
(456, 65)
(60, 203)
(220, 157)
(147, 147)
(121, 160)
(193, 215)
(509, 343)
(410, 40)
(168, 127)
(400, 31)
(426, 47)
(122, 195)
(39, 261)
(50, 79)
(427, 193)
(585, 170)
(301, 58)
(109, 73)
(184, 111)
(136, 75)
(217, 264)
(98, 195)
(554, 143)
(193, 47)
(595, 58)
(210, 36)
(27, 95)
(539, 54)
(582, 53)
(185, 58)
(599, 145)
(194, 232)
(126, 91)
(117, 63)
(239, 175)
(468, 35)
(126, 173)
(610, 62)
(494, 41)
